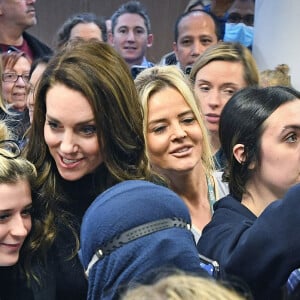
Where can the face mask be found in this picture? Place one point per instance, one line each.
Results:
(239, 32)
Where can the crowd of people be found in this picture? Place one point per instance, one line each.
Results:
(122, 178)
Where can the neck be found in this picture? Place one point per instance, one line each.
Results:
(192, 188)
(214, 142)
(11, 36)
(258, 196)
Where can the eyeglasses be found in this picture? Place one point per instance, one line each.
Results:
(9, 149)
(238, 18)
(13, 77)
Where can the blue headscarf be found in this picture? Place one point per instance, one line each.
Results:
(121, 208)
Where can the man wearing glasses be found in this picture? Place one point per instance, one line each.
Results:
(15, 17)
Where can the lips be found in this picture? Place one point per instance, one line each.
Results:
(12, 246)
(182, 151)
(69, 163)
(212, 118)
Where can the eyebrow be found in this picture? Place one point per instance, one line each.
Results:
(77, 124)
(223, 84)
(295, 127)
(164, 119)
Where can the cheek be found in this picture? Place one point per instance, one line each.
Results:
(157, 145)
(28, 224)
(6, 89)
(50, 138)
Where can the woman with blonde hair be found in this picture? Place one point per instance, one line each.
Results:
(217, 74)
(177, 142)
(182, 287)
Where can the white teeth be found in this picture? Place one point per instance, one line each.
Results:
(69, 161)
(183, 150)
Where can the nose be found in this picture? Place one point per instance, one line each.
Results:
(214, 98)
(197, 49)
(130, 36)
(68, 143)
(20, 226)
(20, 81)
(178, 132)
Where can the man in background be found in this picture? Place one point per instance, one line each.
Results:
(15, 17)
(131, 35)
(194, 32)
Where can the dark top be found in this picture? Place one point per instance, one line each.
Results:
(38, 48)
(262, 251)
(62, 277)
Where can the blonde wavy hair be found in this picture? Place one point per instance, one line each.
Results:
(183, 287)
(155, 79)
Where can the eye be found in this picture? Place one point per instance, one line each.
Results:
(205, 41)
(122, 30)
(204, 88)
(140, 31)
(26, 77)
(158, 129)
(188, 120)
(291, 138)
(228, 91)
(88, 130)
(4, 217)
(52, 124)
(27, 212)
(186, 42)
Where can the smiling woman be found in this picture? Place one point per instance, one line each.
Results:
(177, 141)
(86, 136)
(19, 229)
(15, 77)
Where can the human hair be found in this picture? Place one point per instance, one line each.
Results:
(64, 32)
(131, 7)
(9, 59)
(95, 70)
(251, 107)
(153, 80)
(192, 4)
(41, 60)
(182, 287)
(13, 170)
(231, 52)
(278, 76)
(190, 12)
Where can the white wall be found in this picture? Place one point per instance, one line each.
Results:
(277, 36)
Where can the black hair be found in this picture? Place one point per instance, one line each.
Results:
(63, 34)
(241, 122)
(214, 18)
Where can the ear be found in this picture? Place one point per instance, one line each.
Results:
(175, 49)
(149, 40)
(110, 38)
(239, 153)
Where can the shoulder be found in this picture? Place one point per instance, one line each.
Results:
(38, 47)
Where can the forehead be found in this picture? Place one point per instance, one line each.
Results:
(243, 7)
(197, 21)
(130, 20)
(21, 62)
(287, 114)
(89, 30)
(219, 71)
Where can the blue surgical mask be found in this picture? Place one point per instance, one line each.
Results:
(239, 32)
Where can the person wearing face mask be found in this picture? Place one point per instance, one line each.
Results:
(239, 24)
